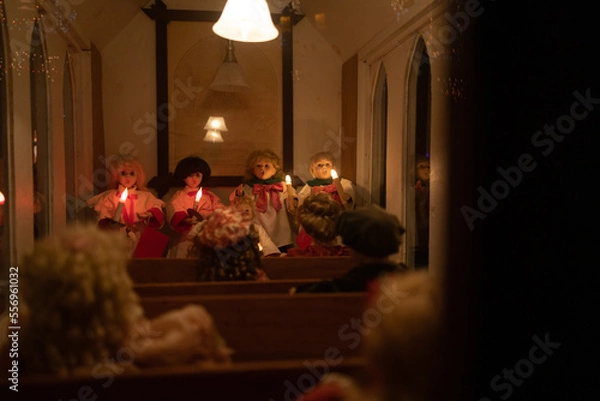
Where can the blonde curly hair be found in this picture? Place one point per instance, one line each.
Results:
(80, 300)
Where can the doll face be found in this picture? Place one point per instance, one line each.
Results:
(264, 169)
(193, 180)
(127, 176)
(321, 169)
(246, 208)
(423, 170)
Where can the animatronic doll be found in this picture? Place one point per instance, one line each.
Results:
(341, 189)
(227, 247)
(187, 206)
(317, 216)
(79, 313)
(130, 207)
(264, 182)
(245, 204)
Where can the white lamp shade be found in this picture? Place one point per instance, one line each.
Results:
(246, 21)
(216, 123)
(229, 78)
(212, 135)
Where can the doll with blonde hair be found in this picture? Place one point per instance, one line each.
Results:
(341, 189)
(264, 182)
(140, 210)
(79, 312)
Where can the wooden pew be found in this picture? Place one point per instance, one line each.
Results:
(181, 270)
(283, 344)
(248, 381)
(218, 287)
(277, 327)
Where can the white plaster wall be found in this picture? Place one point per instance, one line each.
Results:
(129, 93)
(317, 98)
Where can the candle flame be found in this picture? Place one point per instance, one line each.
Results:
(334, 174)
(199, 194)
(288, 180)
(260, 247)
(123, 196)
(2, 198)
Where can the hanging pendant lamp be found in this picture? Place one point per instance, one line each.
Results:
(229, 77)
(246, 21)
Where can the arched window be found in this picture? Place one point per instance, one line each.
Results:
(40, 138)
(419, 170)
(4, 204)
(379, 142)
(71, 202)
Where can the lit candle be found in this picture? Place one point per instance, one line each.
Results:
(2, 198)
(290, 192)
(198, 196)
(120, 206)
(338, 186)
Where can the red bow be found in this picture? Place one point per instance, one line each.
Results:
(330, 189)
(262, 201)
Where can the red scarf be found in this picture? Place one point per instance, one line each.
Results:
(330, 189)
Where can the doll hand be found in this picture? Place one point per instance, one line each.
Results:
(239, 191)
(145, 216)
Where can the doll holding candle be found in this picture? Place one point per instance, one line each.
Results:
(275, 201)
(130, 207)
(326, 179)
(189, 205)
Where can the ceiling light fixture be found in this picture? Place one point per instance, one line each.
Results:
(229, 77)
(246, 21)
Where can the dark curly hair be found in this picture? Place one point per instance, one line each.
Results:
(190, 165)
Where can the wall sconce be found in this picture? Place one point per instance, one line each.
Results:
(246, 21)
(229, 77)
(214, 126)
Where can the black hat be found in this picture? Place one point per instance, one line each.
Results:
(370, 231)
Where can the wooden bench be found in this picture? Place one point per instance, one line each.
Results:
(219, 287)
(248, 381)
(182, 270)
(275, 326)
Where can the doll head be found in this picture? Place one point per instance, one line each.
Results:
(191, 171)
(317, 215)
(407, 339)
(422, 168)
(245, 204)
(127, 173)
(263, 164)
(227, 246)
(321, 164)
(80, 300)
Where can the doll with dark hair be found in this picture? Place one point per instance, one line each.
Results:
(264, 181)
(226, 244)
(341, 189)
(316, 217)
(373, 236)
(188, 206)
(128, 206)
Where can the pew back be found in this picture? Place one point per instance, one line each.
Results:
(277, 327)
(180, 270)
(219, 287)
(248, 381)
